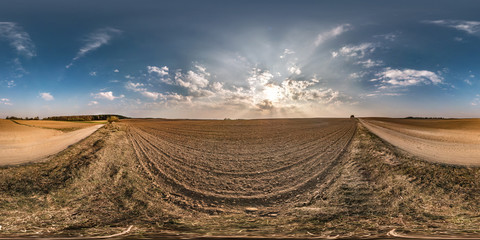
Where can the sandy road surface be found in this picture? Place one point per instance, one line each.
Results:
(451, 146)
(21, 144)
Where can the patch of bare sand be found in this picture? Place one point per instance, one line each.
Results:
(437, 141)
(21, 144)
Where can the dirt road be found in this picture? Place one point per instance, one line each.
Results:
(451, 146)
(22, 144)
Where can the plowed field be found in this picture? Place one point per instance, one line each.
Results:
(241, 161)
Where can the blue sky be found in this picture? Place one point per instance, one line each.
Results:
(240, 59)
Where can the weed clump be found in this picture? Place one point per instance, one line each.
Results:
(112, 119)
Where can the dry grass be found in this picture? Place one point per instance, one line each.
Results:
(407, 193)
(91, 188)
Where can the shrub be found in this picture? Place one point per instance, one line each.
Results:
(112, 119)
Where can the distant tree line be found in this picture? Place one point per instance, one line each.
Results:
(84, 117)
(19, 118)
(425, 118)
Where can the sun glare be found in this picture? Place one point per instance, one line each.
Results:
(272, 93)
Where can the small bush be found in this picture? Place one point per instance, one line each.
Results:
(112, 119)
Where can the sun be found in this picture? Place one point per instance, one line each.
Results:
(272, 93)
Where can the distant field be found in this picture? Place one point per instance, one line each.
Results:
(452, 141)
(29, 140)
(59, 125)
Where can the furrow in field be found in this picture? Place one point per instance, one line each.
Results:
(280, 175)
(262, 182)
(251, 148)
(196, 158)
(300, 156)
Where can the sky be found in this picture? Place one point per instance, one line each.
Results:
(240, 59)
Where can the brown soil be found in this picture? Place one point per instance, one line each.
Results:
(445, 141)
(238, 163)
(22, 144)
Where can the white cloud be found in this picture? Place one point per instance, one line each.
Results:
(133, 86)
(369, 63)
(259, 78)
(46, 96)
(356, 75)
(193, 80)
(301, 91)
(152, 95)
(322, 37)
(139, 87)
(161, 71)
(407, 77)
(95, 40)
(91, 103)
(294, 70)
(471, 27)
(286, 52)
(93, 74)
(264, 94)
(106, 95)
(357, 51)
(116, 70)
(18, 39)
(5, 101)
